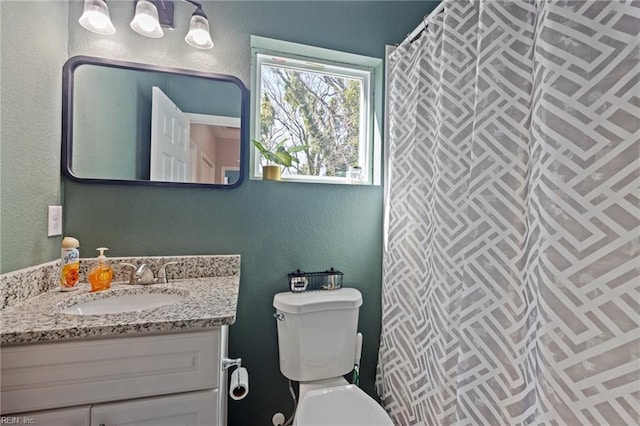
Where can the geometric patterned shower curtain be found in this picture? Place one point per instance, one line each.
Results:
(511, 282)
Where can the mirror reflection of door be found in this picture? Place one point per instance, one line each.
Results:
(170, 130)
(214, 144)
(214, 148)
(206, 170)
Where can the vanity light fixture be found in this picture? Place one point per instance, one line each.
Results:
(95, 17)
(146, 21)
(149, 19)
(199, 35)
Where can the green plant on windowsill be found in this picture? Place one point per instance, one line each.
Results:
(279, 156)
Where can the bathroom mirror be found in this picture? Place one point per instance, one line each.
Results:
(132, 123)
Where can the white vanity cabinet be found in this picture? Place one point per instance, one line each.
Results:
(168, 379)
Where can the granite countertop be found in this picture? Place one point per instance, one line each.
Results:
(211, 302)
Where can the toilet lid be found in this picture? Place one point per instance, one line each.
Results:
(344, 405)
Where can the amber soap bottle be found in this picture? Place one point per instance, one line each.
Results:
(100, 275)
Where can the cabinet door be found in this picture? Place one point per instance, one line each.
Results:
(75, 416)
(192, 409)
(66, 374)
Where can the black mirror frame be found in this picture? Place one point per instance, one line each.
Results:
(67, 120)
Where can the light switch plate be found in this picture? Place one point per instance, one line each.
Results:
(55, 221)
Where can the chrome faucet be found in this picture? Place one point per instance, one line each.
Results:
(143, 274)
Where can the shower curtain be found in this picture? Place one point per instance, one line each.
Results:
(511, 281)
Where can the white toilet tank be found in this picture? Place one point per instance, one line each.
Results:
(317, 332)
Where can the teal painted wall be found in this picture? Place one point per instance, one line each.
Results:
(30, 79)
(106, 123)
(276, 227)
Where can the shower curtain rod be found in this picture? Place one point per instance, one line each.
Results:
(425, 21)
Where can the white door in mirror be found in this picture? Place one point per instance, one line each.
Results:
(170, 129)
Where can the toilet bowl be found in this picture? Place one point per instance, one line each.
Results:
(345, 405)
(318, 344)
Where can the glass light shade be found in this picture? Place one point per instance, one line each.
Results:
(145, 21)
(95, 17)
(199, 35)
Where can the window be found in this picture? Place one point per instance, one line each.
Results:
(320, 105)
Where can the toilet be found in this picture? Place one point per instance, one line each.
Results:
(318, 344)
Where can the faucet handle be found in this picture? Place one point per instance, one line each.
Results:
(162, 273)
(133, 271)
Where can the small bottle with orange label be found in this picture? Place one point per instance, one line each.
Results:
(69, 264)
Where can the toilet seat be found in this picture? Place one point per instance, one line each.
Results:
(345, 405)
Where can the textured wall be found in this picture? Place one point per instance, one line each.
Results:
(31, 65)
(96, 107)
(276, 227)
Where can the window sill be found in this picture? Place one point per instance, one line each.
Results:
(317, 179)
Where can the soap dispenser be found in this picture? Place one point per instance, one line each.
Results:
(100, 275)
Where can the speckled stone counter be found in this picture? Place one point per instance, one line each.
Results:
(209, 283)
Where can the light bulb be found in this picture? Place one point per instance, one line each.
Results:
(199, 35)
(95, 17)
(145, 22)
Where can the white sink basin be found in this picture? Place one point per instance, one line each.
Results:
(123, 303)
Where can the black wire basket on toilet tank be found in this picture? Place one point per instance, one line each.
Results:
(308, 281)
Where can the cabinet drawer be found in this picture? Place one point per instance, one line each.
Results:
(76, 416)
(187, 409)
(48, 375)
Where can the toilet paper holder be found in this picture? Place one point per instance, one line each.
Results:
(227, 363)
(239, 382)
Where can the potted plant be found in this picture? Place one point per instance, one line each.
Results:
(279, 156)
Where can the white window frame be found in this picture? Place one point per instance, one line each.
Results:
(367, 69)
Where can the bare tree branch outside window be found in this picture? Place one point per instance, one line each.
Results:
(316, 109)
